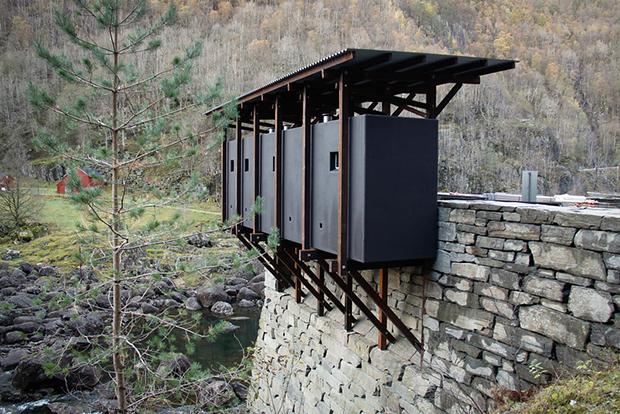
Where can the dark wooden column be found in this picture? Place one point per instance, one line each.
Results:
(343, 194)
(256, 147)
(239, 171)
(383, 285)
(306, 170)
(343, 174)
(431, 101)
(224, 179)
(278, 161)
(278, 177)
(321, 309)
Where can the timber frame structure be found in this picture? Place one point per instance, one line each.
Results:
(348, 83)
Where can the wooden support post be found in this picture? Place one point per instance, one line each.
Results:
(224, 179)
(343, 194)
(348, 305)
(360, 304)
(306, 169)
(297, 280)
(278, 174)
(343, 174)
(383, 285)
(400, 325)
(431, 101)
(238, 176)
(256, 147)
(320, 310)
(297, 272)
(278, 166)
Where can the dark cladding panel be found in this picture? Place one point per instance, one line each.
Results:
(231, 181)
(393, 189)
(324, 200)
(292, 183)
(267, 181)
(247, 181)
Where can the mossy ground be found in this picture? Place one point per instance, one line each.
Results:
(593, 390)
(61, 247)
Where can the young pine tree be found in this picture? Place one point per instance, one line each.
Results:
(130, 117)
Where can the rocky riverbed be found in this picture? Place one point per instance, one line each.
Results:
(42, 323)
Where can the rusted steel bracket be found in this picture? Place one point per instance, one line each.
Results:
(360, 304)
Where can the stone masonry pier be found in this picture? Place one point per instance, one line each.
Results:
(518, 293)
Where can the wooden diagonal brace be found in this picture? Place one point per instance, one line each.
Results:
(267, 261)
(371, 317)
(387, 311)
(307, 284)
(320, 284)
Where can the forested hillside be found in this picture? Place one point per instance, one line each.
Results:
(557, 112)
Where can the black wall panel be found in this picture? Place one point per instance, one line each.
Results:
(393, 188)
(267, 182)
(247, 181)
(324, 199)
(291, 184)
(231, 180)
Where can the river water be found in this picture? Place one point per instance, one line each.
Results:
(227, 350)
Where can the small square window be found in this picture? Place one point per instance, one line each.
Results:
(232, 165)
(246, 165)
(333, 161)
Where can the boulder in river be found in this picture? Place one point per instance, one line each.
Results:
(222, 308)
(210, 295)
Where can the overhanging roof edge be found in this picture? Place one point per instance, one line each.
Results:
(343, 57)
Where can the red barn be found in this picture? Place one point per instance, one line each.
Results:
(86, 177)
(6, 181)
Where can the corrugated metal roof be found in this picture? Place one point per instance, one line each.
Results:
(399, 66)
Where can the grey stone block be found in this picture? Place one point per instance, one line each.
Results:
(489, 215)
(498, 307)
(523, 339)
(514, 217)
(471, 271)
(467, 228)
(575, 261)
(535, 215)
(562, 328)
(522, 298)
(479, 368)
(491, 345)
(601, 241)
(611, 223)
(557, 234)
(490, 242)
(590, 304)
(505, 279)
(466, 318)
(486, 289)
(557, 306)
(577, 219)
(515, 245)
(461, 298)
(446, 231)
(605, 335)
(501, 255)
(514, 230)
(574, 280)
(614, 289)
(547, 288)
(463, 216)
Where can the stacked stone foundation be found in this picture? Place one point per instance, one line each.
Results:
(517, 295)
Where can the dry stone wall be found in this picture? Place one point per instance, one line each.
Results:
(518, 293)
